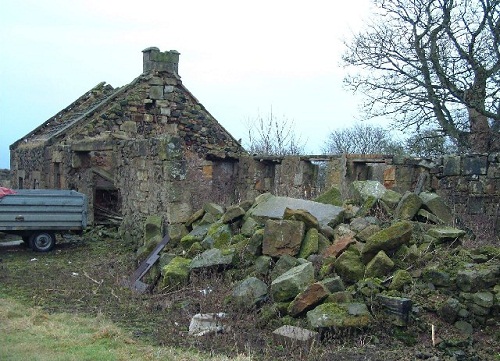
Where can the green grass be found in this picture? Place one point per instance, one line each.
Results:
(29, 333)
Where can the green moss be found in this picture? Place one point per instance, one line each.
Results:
(267, 314)
(334, 308)
(332, 196)
(176, 273)
(188, 240)
(221, 235)
(349, 266)
(387, 239)
(400, 279)
(367, 206)
(195, 249)
(309, 244)
(394, 230)
(144, 251)
(327, 267)
(153, 226)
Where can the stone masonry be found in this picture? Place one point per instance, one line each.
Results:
(151, 148)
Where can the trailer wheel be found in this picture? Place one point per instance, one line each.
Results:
(42, 241)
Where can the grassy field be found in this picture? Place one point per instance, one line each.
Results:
(71, 304)
(30, 333)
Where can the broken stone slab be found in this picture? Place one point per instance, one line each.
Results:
(249, 292)
(212, 257)
(283, 264)
(379, 266)
(366, 233)
(274, 207)
(484, 299)
(153, 227)
(196, 216)
(308, 299)
(400, 279)
(437, 206)
(295, 334)
(309, 244)
(282, 237)
(359, 223)
(232, 214)
(339, 246)
(249, 227)
(478, 277)
(175, 274)
(206, 323)
(408, 206)
(301, 215)
(391, 198)
(255, 244)
(339, 315)
(218, 236)
(334, 284)
(196, 235)
(214, 209)
(428, 217)
(363, 190)
(262, 265)
(349, 265)
(387, 239)
(292, 282)
(445, 234)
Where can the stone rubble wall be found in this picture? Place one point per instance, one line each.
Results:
(160, 176)
(469, 183)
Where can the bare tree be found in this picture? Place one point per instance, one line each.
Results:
(432, 63)
(272, 135)
(362, 139)
(429, 143)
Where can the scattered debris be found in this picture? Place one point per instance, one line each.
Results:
(207, 323)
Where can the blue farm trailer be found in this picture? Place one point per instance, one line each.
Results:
(38, 214)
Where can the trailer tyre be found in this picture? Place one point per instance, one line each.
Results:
(42, 241)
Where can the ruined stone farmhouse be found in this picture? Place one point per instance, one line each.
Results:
(151, 148)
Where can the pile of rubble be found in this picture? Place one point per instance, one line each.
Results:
(381, 256)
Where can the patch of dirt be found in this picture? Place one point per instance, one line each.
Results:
(88, 274)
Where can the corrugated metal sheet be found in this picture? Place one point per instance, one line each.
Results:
(43, 209)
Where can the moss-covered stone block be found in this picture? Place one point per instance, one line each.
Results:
(339, 315)
(379, 266)
(331, 196)
(400, 280)
(153, 226)
(175, 274)
(349, 265)
(196, 235)
(144, 251)
(388, 239)
(408, 206)
(309, 244)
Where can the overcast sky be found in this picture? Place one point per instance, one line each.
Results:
(238, 58)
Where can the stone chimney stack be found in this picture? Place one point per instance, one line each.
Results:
(155, 60)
